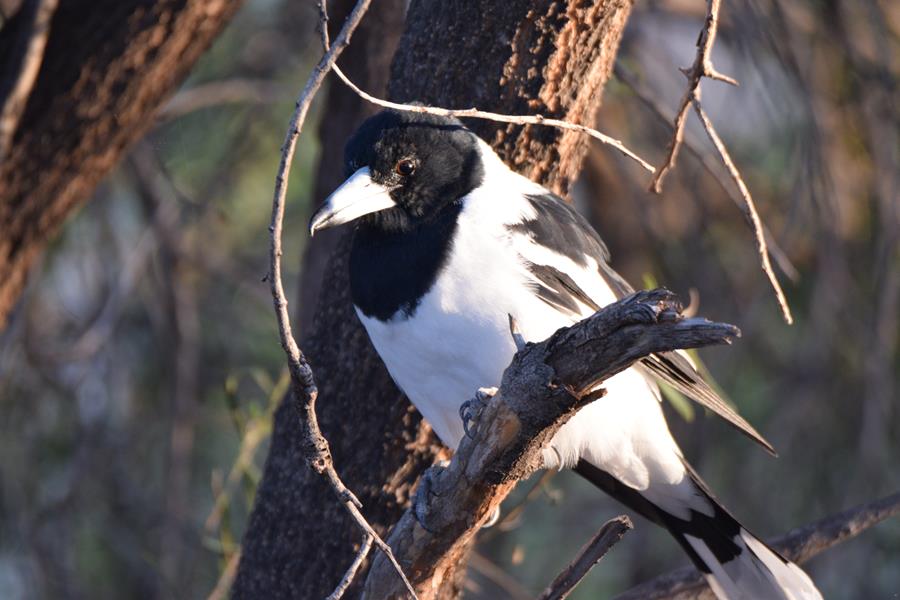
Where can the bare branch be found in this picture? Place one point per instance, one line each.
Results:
(749, 208)
(32, 57)
(217, 93)
(347, 579)
(608, 536)
(474, 113)
(543, 386)
(303, 384)
(516, 333)
(709, 165)
(701, 68)
(512, 589)
(799, 545)
(220, 592)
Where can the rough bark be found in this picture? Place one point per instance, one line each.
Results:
(107, 66)
(548, 57)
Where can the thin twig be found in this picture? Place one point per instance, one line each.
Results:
(220, 592)
(218, 93)
(608, 536)
(709, 165)
(474, 113)
(701, 68)
(798, 545)
(303, 384)
(749, 208)
(32, 57)
(347, 579)
(512, 589)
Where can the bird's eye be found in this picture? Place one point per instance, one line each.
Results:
(405, 167)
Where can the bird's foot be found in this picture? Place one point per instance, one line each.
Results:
(470, 411)
(424, 491)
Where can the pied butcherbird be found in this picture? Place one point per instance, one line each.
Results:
(449, 243)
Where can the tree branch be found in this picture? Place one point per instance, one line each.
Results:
(544, 385)
(799, 545)
(701, 68)
(358, 560)
(608, 536)
(642, 94)
(218, 93)
(303, 386)
(474, 113)
(749, 209)
(33, 43)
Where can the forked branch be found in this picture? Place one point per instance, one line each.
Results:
(701, 68)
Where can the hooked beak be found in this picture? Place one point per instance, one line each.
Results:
(358, 196)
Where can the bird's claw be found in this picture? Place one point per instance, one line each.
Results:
(471, 409)
(423, 493)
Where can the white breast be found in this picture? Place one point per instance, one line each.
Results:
(458, 340)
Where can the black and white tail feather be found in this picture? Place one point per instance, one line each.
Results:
(736, 564)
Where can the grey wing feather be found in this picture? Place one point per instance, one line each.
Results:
(559, 227)
(677, 371)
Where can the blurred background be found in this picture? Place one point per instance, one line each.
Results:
(139, 373)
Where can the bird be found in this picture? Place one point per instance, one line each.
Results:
(448, 245)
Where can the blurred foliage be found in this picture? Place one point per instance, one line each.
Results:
(139, 374)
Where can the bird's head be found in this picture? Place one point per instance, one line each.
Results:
(402, 169)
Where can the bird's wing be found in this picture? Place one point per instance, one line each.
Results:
(558, 228)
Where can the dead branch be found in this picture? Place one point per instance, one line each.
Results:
(641, 93)
(217, 93)
(303, 384)
(799, 545)
(749, 209)
(701, 68)
(608, 536)
(543, 386)
(220, 592)
(474, 113)
(511, 587)
(347, 579)
(34, 41)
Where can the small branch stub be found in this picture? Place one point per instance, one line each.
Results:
(591, 554)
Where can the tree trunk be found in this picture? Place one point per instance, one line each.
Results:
(549, 57)
(107, 66)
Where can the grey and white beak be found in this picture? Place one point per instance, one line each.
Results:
(358, 196)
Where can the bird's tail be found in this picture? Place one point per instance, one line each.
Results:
(736, 564)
